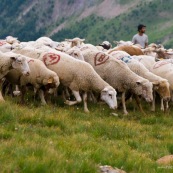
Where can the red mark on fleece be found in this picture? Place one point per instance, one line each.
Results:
(51, 58)
(2, 42)
(100, 58)
(160, 63)
(31, 60)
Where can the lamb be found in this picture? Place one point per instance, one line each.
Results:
(40, 78)
(74, 74)
(11, 60)
(118, 75)
(161, 85)
(132, 50)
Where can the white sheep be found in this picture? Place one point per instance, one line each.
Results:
(4, 46)
(118, 75)
(47, 42)
(10, 61)
(74, 74)
(12, 40)
(40, 78)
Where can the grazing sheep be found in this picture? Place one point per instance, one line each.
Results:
(164, 68)
(10, 61)
(40, 78)
(118, 75)
(74, 74)
(161, 85)
(153, 66)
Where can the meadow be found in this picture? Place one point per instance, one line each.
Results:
(60, 139)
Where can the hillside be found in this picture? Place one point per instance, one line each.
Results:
(94, 20)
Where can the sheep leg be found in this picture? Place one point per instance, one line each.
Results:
(128, 95)
(23, 91)
(1, 97)
(17, 91)
(77, 96)
(67, 94)
(92, 97)
(162, 105)
(85, 102)
(166, 106)
(137, 99)
(4, 86)
(124, 103)
(41, 95)
(153, 108)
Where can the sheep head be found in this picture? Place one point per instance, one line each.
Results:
(108, 94)
(162, 88)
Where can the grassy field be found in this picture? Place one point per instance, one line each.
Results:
(61, 139)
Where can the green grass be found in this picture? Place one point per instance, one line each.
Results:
(57, 138)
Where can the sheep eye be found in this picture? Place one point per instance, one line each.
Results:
(110, 95)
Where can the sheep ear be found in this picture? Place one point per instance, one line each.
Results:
(104, 91)
(13, 58)
(83, 39)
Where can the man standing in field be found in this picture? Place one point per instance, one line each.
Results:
(141, 38)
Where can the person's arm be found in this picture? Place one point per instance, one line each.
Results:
(146, 42)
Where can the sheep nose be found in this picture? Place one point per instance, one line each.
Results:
(27, 73)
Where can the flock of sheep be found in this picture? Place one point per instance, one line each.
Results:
(85, 71)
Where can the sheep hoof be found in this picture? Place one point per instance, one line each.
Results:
(70, 103)
(2, 100)
(126, 113)
(86, 111)
(43, 103)
(162, 109)
(67, 102)
(16, 93)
